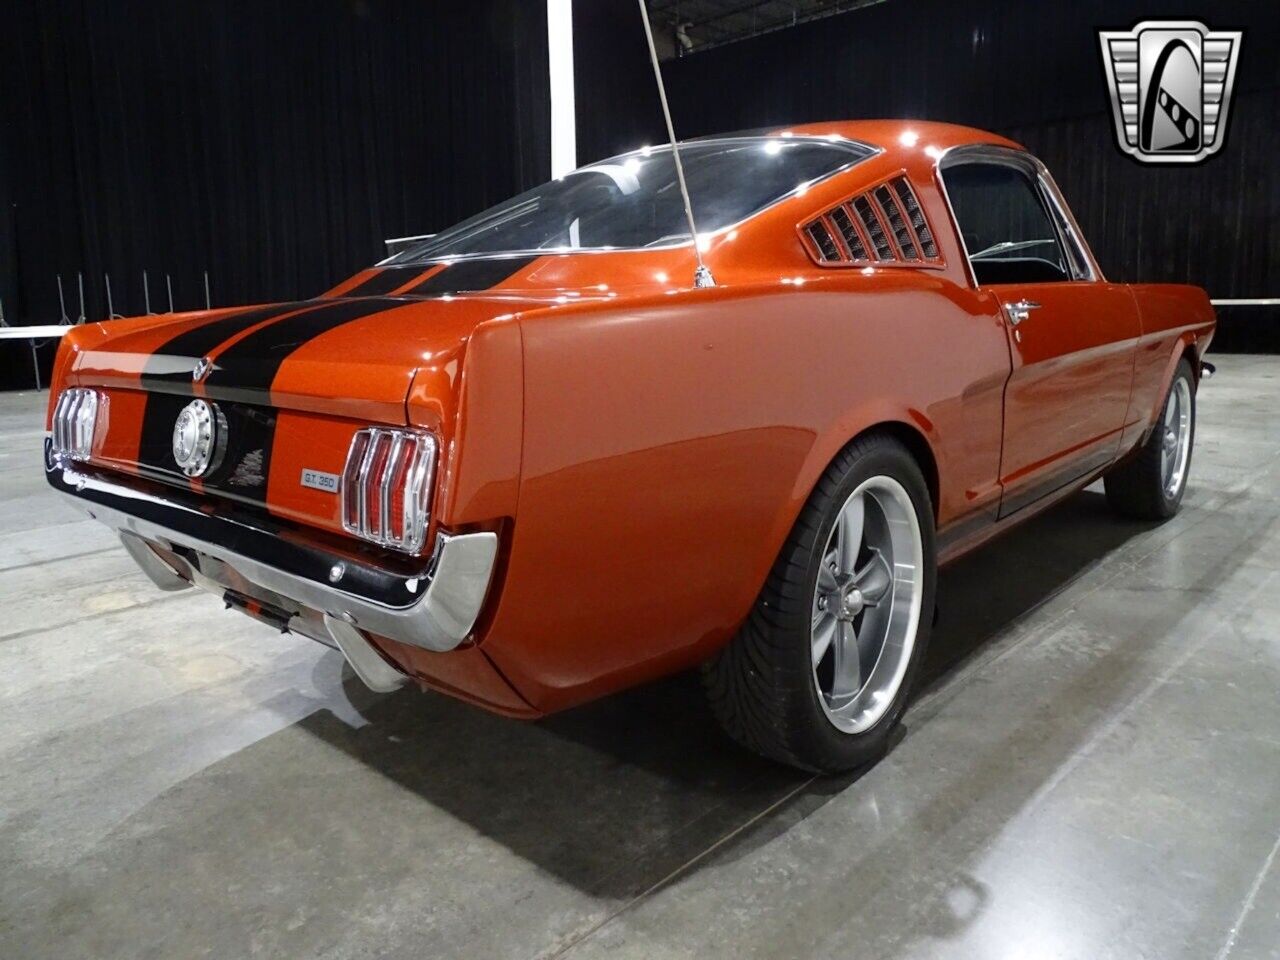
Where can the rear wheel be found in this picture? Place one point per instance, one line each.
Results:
(1150, 484)
(820, 673)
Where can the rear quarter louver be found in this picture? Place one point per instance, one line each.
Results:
(882, 226)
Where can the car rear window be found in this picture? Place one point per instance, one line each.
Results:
(633, 201)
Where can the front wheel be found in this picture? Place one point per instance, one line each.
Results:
(1150, 484)
(821, 671)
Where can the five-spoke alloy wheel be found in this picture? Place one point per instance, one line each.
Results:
(866, 604)
(1175, 437)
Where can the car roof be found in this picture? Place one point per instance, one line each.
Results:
(885, 134)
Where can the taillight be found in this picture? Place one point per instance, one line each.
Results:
(386, 487)
(75, 419)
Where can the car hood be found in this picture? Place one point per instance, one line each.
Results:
(352, 356)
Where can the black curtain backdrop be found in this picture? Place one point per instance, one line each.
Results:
(1029, 70)
(273, 144)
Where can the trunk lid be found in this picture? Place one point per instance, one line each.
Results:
(348, 358)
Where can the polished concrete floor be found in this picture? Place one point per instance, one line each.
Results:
(1092, 770)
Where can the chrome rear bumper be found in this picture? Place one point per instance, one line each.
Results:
(434, 608)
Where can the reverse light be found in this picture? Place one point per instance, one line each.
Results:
(75, 419)
(386, 487)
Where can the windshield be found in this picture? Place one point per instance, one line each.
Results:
(634, 200)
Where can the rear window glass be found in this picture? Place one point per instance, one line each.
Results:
(634, 200)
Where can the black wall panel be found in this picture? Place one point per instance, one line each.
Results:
(274, 144)
(1029, 70)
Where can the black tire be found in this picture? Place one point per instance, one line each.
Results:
(761, 686)
(1136, 487)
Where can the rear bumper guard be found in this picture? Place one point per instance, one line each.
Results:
(434, 608)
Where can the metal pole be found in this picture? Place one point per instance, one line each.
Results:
(207, 304)
(146, 291)
(111, 310)
(701, 276)
(80, 282)
(169, 286)
(62, 303)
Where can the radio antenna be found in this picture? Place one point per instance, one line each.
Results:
(701, 276)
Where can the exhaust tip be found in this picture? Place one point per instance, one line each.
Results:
(369, 665)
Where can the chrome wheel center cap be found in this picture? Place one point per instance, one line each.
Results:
(1170, 440)
(843, 603)
(851, 604)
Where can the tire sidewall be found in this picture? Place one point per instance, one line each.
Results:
(1183, 372)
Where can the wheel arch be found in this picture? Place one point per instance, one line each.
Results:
(910, 428)
(919, 448)
(1186, 347)
(1191, 354)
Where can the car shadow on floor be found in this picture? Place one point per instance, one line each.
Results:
(460, 825)
(614, 795)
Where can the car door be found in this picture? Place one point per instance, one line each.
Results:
(1071, 334)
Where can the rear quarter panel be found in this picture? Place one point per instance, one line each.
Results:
(670, 443)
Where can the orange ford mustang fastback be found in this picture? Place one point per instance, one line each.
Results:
(529, 461)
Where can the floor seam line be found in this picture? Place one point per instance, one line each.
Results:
(32, 631)
(677, 872)
(1249, 900)
(71, 556)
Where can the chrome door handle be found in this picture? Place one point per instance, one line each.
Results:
(1020, 311)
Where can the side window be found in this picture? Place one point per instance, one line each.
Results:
(1008, 232)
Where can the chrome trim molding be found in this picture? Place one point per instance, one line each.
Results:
(1063, 220)
(441, 604)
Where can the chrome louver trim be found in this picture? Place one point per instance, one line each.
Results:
(882, 225)
(897, 224)
(875, 232)
(843, 220)
(911, 208)
(823, 242)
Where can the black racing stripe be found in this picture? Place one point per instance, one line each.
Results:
(468, 275)
(171, 363)
(245, 370)
(246, 461)
(246, 464)
(155, 445)
(384, 281)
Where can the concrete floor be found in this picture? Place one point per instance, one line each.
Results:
(1092, 771)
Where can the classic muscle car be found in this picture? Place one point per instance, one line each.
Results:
(529, 461)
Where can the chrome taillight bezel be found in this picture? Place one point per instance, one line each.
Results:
(76, 416)
(369, 484)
